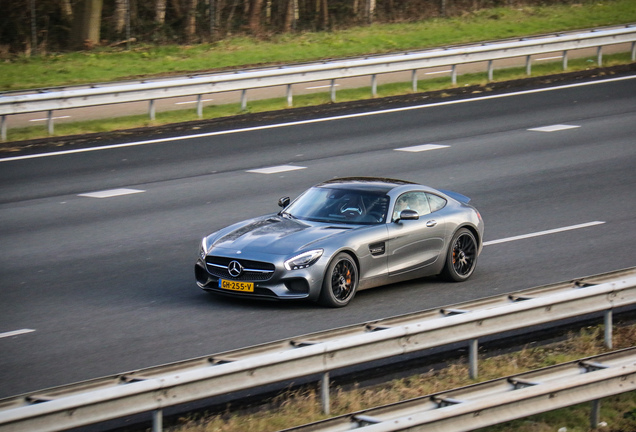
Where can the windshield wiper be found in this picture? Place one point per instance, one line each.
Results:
(288, 215)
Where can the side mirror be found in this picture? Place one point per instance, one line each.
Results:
(407, 215)
(284, 202)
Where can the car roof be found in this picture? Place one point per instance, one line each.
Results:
(370, 184)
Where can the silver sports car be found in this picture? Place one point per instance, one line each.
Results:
(342, 236)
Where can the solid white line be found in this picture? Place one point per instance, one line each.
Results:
(542, 233)
(548, 58)
(320, 120)
(15, 333)
(276, 169)
(554, 128)
(421, 148)
(111, 193)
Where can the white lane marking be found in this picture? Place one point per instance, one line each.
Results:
(321, 87)
(304, 122)
(52, 118)
(193, 102)
(554, 128)
(421, 148)
(438, 72)
(276, 169)
(15, 333)
(549, 58)
(542, 233)
(111, 193)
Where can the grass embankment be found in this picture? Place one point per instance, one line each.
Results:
(303, 406)
(108, 64)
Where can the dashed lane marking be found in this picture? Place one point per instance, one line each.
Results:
(276, 169)
(311, 121)
(111, 193)
(421, 148)
(554, 128)
(15, 333)
(542, 233)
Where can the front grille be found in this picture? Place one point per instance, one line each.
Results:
(252, 270)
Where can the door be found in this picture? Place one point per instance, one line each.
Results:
(414, 244)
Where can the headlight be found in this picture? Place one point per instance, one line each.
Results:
(303, 260)
(203, 248)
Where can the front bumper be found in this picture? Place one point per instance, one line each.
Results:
(281, 285)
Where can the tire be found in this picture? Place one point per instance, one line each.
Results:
(461, 258)
(340, 282)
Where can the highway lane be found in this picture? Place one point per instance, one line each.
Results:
(107, 283)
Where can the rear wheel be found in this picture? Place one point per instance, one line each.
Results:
(340, 282)
(461, 258)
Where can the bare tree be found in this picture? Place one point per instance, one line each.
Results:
(160, 12)
(255, 17)
(66, 9)
(191, 21)
(324, 16)
(119, 16)
(291, 15)
(86, 23)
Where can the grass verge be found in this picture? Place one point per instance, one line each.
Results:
(346, 95)
(114, 64)
(303, 406)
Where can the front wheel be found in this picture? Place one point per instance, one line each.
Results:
(461, 258)
(340, 282)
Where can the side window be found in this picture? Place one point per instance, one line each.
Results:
(436, 202)
(413, 201)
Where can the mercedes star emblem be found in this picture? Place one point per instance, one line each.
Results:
(235, 268)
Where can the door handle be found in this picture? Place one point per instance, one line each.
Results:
(431, 223)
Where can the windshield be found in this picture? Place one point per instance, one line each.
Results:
(340, 206)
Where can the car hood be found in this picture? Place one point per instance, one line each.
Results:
(276, 235)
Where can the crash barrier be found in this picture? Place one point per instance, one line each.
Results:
(499, 400)
(153, 389)
(331, 71)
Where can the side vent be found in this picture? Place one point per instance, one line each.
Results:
(377, 249)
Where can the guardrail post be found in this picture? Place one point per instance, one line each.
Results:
(333, 90)
(472, 358)
(599, 56)
(49, 122)
(454, 75)
(528, 65)
(608, 329)
(290, 101)
(157, 421)
(243, 100)
(199, 106)
(633, 51)
(151, 109)
(565, 60)
(414, 80)
(324, 393)
(374, 85)
(490, 67)
(3, 128)
(595, 413)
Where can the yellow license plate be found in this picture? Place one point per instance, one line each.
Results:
(236, 286)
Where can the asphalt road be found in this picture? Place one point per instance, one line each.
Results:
(99, 284)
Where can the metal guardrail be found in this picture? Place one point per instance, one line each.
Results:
(500, 400)
(329, 71)
(153, 389)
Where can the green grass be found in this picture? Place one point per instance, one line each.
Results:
(303, 406)
(258, 106)
(110, 64)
